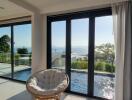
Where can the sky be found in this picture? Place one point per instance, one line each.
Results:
(22, 35)
(79, 32)
(104, 30)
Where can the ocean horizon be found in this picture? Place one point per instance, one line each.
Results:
(82, 50)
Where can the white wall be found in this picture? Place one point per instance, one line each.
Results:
(44, 42)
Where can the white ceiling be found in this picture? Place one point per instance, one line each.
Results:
(10, 9)
(48, 6)
(46, 3)
(51, 6)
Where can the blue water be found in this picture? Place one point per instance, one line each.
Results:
(22, 75)
(79, 82)
(103, 85)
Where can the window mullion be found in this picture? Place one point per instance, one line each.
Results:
(68, 50)
(91, 56)
(12, 51)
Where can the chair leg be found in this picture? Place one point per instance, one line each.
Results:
(34, 98)
(58, 97)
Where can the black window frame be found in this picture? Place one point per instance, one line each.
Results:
(91, 14)
(11, 25)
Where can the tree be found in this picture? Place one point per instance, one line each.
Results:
(80, 64)
(4, 43)
(109, 68)
(22, 51)
(100, 66)
(105, 52)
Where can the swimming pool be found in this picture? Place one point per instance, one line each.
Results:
(103, 85)
(22, 75)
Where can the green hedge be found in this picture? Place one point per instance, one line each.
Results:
(99, 66)
(79, 65)
(109, 67)
(104, 66)
(4, 58)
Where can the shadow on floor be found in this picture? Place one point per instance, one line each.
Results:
(26, 96)
(21, 96)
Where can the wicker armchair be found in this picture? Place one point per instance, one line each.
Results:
(47, 84)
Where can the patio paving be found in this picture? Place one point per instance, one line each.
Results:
(6, 68)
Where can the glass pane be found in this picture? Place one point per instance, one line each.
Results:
(79, 55)
(23, 51)
(104, 71)
(5, 51)
(58, 32)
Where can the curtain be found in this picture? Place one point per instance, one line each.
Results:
(122, 27)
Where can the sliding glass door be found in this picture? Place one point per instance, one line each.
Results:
(79, 55)
(22, 51)
(15, 50)
(79, 52)
(58, 52)
(82, 45)
(104, 69)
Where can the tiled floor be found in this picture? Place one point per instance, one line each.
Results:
(10, 90)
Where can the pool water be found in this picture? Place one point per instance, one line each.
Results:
(79, 82)
(22, 75)
(103, 85)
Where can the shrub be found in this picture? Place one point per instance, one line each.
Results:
(3, 58)
(79, 65)
(83, 64)
(22, 51)
(0, 57)
(109, 68)
(113, 68)
(17, 56)
(30, 59)
(74, 65)
(100, 66)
